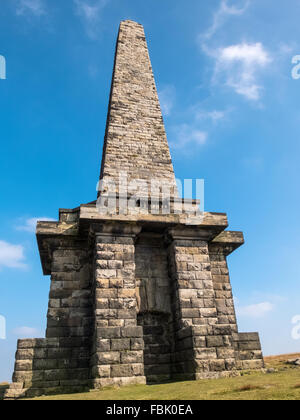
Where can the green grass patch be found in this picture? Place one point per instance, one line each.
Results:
(258, 386)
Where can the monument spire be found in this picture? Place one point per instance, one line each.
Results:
(135, 138)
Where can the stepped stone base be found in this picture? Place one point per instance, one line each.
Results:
(130, 306)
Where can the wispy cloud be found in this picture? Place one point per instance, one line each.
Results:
(11, 256)
(225, 10)
(34, 7)
(187, 137)
(237, 66)
(214, 116)
(167, 97)
(27, 332)
(29, 225)
(90, 14)
(286, 49)
(240, 64)
(258, 310)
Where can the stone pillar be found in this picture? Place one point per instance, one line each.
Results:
(222, 286)
(203, 348)
(117, 353)
(69, 311)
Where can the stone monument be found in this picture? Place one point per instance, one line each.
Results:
(142, 296)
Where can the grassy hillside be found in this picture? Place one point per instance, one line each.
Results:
(283, 383)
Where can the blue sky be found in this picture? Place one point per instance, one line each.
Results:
(231, 109)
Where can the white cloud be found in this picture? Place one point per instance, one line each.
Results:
(29, 225)
(188, 136)
(258, 310)
(11, 256)
(247, 54)
(27, 332)
(90, 13)
(225, 10)
(239, 65)
(35, 7)
(236, 65)
(167, 98)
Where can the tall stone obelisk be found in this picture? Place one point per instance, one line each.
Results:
(142, 296)
(135, 138)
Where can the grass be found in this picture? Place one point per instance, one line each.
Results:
(283, 384)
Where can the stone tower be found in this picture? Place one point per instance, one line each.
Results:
(142, 295)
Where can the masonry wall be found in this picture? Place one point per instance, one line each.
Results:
(222, 287)
(117, 351)
(153, 286)
(203, 348)
(60, 362)
(134, 310)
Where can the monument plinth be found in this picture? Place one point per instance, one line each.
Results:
(140, 296)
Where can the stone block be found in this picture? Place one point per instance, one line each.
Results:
(106, 274)
(116, 322)
(126, 313)
(120, 344)
(101, 371)
(137, 344)
(205, 354)
(217, 365)
(23, 365)
(107, 313)
(250, 364)
(214, 341)
(137, 369)
(26, 354)
(226, 353)
(126, 293)
(103, 345)
(251, 345)
(208, 312)
(120, 371)
(130, 357)
(199, 342)
(108, 358)
(110, 332)
(248, 337)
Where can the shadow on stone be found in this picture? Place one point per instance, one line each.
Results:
(158, 346)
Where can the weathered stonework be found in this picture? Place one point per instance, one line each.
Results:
(135, 124)
(142, 297)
